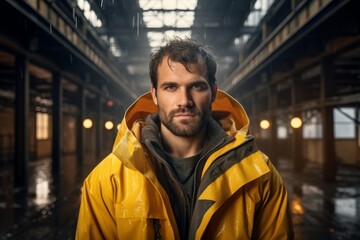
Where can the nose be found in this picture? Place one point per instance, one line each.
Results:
(185, 98)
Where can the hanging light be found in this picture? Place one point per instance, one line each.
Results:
(109, 125)
(110, 103)
(87, 123)
(296, 122)
(264, 124)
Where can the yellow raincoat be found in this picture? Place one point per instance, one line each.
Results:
(243, 197)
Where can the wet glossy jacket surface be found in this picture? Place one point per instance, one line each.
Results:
(241, 195)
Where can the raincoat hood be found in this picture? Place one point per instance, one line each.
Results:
(225, 110)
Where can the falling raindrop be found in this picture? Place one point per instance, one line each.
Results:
(71, 58)
(137, 24)
(76, 22)
(50, 28)
(133, 22)
(102, 1)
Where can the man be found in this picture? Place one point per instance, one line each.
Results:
(183, 165)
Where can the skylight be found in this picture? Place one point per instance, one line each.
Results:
(260, 9)
(169, 14)
(90, 14)
(253, 19)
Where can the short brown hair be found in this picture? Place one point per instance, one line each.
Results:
(187, 52)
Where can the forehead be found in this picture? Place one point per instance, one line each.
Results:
(171, 64)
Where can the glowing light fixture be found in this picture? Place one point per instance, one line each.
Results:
(87, 123)
(109, 125)
(110, 103)
(296, 122)
(296, 206)
(264, 124)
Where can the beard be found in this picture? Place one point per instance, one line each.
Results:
(185, 127)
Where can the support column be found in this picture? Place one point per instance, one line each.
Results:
(22, 107)
(297, 138)
(100, 127)
(357, 126)
(272, 97)
(57, 137)
(329, 153)
(299, 161)
(254, 119)
(80, 130)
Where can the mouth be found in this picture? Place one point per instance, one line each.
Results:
(184, 115)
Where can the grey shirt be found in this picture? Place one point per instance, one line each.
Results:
(184, 169)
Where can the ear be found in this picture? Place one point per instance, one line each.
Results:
(153, 94)
(214, 92)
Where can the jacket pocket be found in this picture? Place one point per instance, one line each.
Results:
(136, 221)
(137, 210)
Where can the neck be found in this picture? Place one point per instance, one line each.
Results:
(182, 147)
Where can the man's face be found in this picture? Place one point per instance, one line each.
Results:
(183, 99)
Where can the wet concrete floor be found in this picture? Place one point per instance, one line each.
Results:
(48, 210)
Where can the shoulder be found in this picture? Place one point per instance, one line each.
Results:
(104, 174)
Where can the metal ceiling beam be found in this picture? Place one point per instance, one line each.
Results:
(128, 30)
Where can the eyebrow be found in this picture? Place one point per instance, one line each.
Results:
(199, 81)
(168, 83)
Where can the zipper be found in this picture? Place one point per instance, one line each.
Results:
(186, 204)
(194, 196)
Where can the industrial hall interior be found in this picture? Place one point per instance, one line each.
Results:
(69, 69)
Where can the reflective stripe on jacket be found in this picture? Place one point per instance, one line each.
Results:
(240, 197)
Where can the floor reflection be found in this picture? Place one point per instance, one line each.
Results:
(48, 209)
(323, 211)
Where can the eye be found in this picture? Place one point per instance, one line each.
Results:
(170, 87)
(199, 87)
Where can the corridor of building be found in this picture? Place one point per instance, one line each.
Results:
(69, 70)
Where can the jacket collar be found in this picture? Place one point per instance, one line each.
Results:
(150, 134)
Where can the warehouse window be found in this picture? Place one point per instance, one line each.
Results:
(344, 124)
(282, 132)
(42, 126)
(312, 128)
